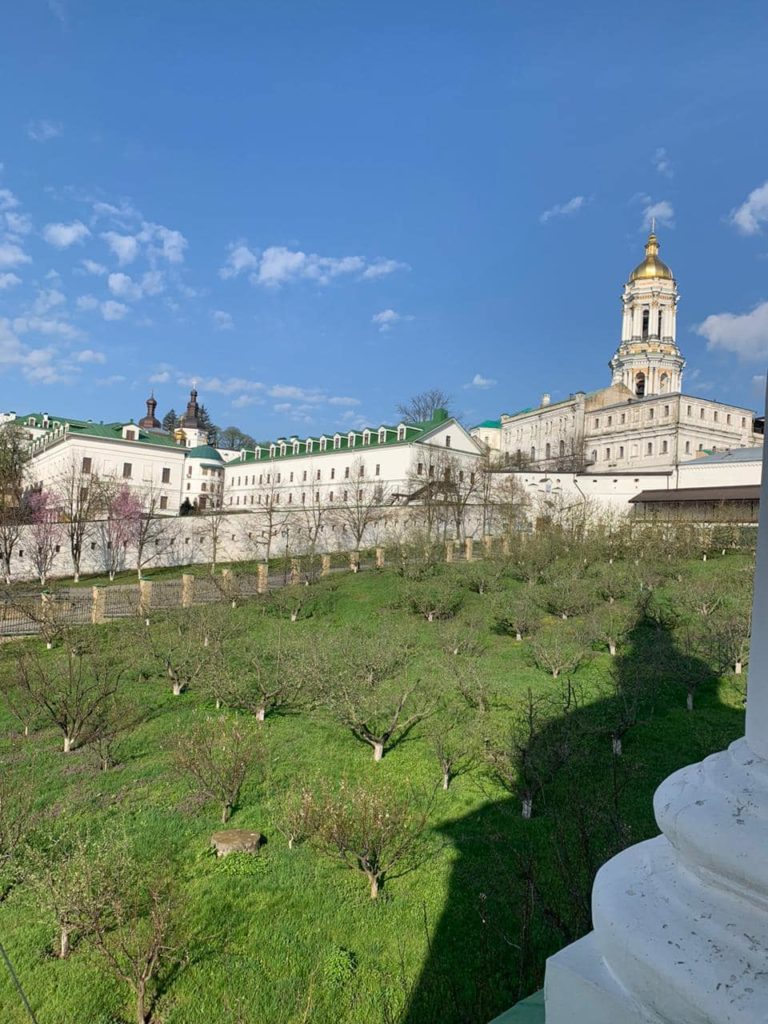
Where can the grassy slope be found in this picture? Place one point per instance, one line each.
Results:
(290, 936)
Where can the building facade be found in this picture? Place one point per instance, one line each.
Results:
(642, 420)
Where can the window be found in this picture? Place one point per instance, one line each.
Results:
(728, 418)
(86, 465)
(401, 433)
(623, 417)
(382, 436)
(533, 454)
(303, 498)
(261, 478)
(716, 416)
(597, 421)
(317, 475)
(346, 472)
(701, 414)
(621, 451)
(291, 478)
(127, 470)
(658, 329)
(130, 435)
(304, 475)
(333, 473)
(346, 495)
(420, 469)
(593, 455)
(651, 413)
(646, 318)
(330, 496)
(337, 442)
(689, 411)
(378, 469)
(290, 499)
(743, 422)
(361, 471)
(447, 440)
(431, 471)
(610, 421)
(366, 437)
(317, 497)
(649, 449)
(269, 478)
(359, 495)
(607, 454)
(548, 450)
(666, 410)
(323, 444)
(640, 384)
(664, 447)
(277, 478)
(163, 502)
(687, 447)
(562, 449)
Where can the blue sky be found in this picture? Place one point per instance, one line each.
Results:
(316, 209)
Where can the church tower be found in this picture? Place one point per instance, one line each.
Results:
(648, 360)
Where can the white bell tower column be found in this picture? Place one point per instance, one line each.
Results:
(681, 921)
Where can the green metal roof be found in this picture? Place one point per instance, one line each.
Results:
(204, 451)
(496, 424)
(87, 428)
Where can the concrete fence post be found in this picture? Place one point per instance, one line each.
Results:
(262, 578)
(379, 558)
(354, 561)
(468, 549)
(98, 605)
(295, 570)
(187, 590)
(449, 551)
(145, 595)
(325, 565)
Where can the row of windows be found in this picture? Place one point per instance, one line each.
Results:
(297, 447)
(256, 499)
(651, 414)
(618, 453)
(242, 481)
(87, 469)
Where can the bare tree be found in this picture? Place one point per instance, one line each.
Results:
(46, 533)
(610, 624)
(177, 644)
(370, 691)
(71, 691)
(517, 613)
(17, 818)
(370, 833)
(268, 675)
(422, 407)
(558, 648)
(119, 528)
(218, 755)
(14, 455)
(154, 534)
(361, 507)
(82, 498)
(436, 597)
(453, 742)
(294, 816)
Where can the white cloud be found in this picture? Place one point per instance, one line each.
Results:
(381, 268)
(47, 300)
(8, 281)
(92, 267)
(8, 200)
(744, 334)
(244, 400)
(44, 130)
(125, 247)
(753, 212)
(240, 258)
(661, 213)
(343, 400)
(115, 378)
(112, 310)
(564, 209)
(124, 287)
(278, 265)
(312, 395)
(89, 355)
(37, 365)
(662, 163)
(163, 242)
(45, 325)
(480, 382)
(222, 320)
(161, 377)
(64, 235)
(386, 319)
(12, 255)
(87, 302)
(18, 223)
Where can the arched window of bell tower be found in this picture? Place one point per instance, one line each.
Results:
(640, 384)
(661, 311)
(646, 320)
(664, 383)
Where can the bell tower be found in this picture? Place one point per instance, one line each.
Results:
(648, 360)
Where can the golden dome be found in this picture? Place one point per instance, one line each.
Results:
(651, 266)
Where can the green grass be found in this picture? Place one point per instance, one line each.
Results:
(291, 936)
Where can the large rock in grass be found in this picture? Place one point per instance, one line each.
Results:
(237, 840)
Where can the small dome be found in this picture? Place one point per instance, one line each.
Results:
(651, 266)
(204, 451)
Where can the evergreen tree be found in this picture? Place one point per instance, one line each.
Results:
(170, 420)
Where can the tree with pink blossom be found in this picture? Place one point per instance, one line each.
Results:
(120, 528)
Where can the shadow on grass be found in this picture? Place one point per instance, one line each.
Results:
(520, 889)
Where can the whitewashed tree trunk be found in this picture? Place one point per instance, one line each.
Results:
(612, 648)
(378, 750)
(48, 645)
(218, 703)
(294, 616)
(430, 616)
(616, 746)
(261, 714)
(63, 943)
(689, 701)
(178, 688)
(737, 667)
(518, 635)
(555, 673)
(68, 744)
(374, 886)
(446, 778)
(527, 807)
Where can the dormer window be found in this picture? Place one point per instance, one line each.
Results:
(323, 443)
(272, 450)
(283, 448)
(257, 452)
(337, 441)
(401, 432)
(295, 447)
(351, 439)
(382, 436)
(309, 445)
(366, 437)
(30, 421)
